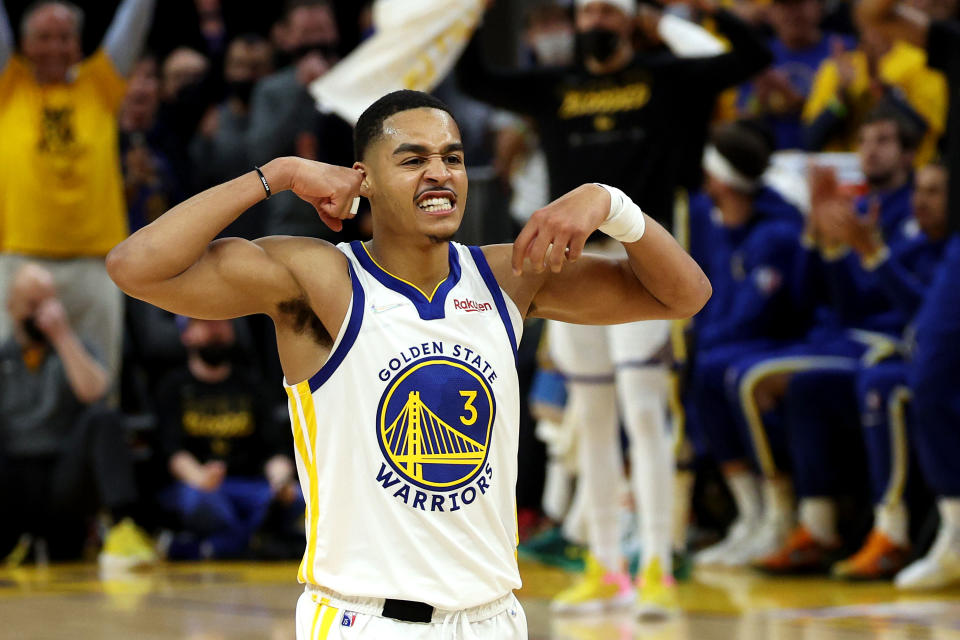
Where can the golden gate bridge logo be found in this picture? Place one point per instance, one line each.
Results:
(415, 430)
(419, 436)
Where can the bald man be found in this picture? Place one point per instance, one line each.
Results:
(61, 192)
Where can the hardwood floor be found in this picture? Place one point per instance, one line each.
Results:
(240, 601)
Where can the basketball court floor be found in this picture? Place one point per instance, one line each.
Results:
(241, 601)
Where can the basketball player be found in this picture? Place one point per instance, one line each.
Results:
(398, 357)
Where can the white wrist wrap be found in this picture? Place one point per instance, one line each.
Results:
(625, 222)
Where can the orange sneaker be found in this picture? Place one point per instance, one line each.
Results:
(801, 554)
(879, 559)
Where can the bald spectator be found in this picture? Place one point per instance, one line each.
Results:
(61, 192)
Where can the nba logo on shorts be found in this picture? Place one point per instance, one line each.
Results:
(349, 617)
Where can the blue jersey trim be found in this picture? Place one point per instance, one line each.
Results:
(349, 336)
(491, 281)
(429, 308)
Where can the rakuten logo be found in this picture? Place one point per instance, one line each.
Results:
(471, 305)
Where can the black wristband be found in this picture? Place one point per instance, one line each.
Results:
(263, 181)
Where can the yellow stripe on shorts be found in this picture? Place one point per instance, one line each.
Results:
(328, 617)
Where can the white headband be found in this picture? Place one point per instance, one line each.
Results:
(627, 6)
(720, 168)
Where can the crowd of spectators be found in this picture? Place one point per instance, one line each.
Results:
(819, 213)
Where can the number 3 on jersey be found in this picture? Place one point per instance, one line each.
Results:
(468, 406)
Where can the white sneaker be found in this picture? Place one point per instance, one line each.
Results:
(740, 531)
(939, 568)
(769, 537)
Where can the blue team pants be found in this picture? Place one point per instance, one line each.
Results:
(824, 352)
(882, 396)
(227, 517)
(711, 427)
(822, 425)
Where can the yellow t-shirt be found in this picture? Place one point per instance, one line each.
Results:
(905, 67)
(61, 190)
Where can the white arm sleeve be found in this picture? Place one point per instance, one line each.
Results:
(128, 33)
(687, 39)
(6, 37)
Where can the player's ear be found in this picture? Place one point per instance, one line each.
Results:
(365, 183)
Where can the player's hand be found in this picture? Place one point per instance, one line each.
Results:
(860, 233)
(51, 318)
(838, 224)
(556, 233)
(213, 475)
(329, 188)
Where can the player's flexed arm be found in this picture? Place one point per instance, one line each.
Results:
(547, 276)
(174, 263)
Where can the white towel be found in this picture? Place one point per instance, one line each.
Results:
(415, 45)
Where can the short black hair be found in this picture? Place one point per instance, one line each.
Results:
(744, 146)
(369, 127)
(910, 126)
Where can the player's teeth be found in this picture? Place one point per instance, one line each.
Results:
(435, 204)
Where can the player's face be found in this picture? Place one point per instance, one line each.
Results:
(881, 156)
(414, 175)
(930, 200)
(52, 42)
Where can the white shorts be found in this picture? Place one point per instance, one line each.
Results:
(590, 353)
(322, 615)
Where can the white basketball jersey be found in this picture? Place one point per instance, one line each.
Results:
(406, 440)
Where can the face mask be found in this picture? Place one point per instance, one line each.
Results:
(241, 89)
(33, 331)
(554, 49)
(215, 354)
(598, 44)
(327, 51)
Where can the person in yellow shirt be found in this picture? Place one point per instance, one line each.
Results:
(850, 84)
(61, 198)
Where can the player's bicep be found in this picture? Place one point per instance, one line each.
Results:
(596, 290)
(233, 278)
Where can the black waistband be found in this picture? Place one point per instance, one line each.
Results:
(407, 610)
